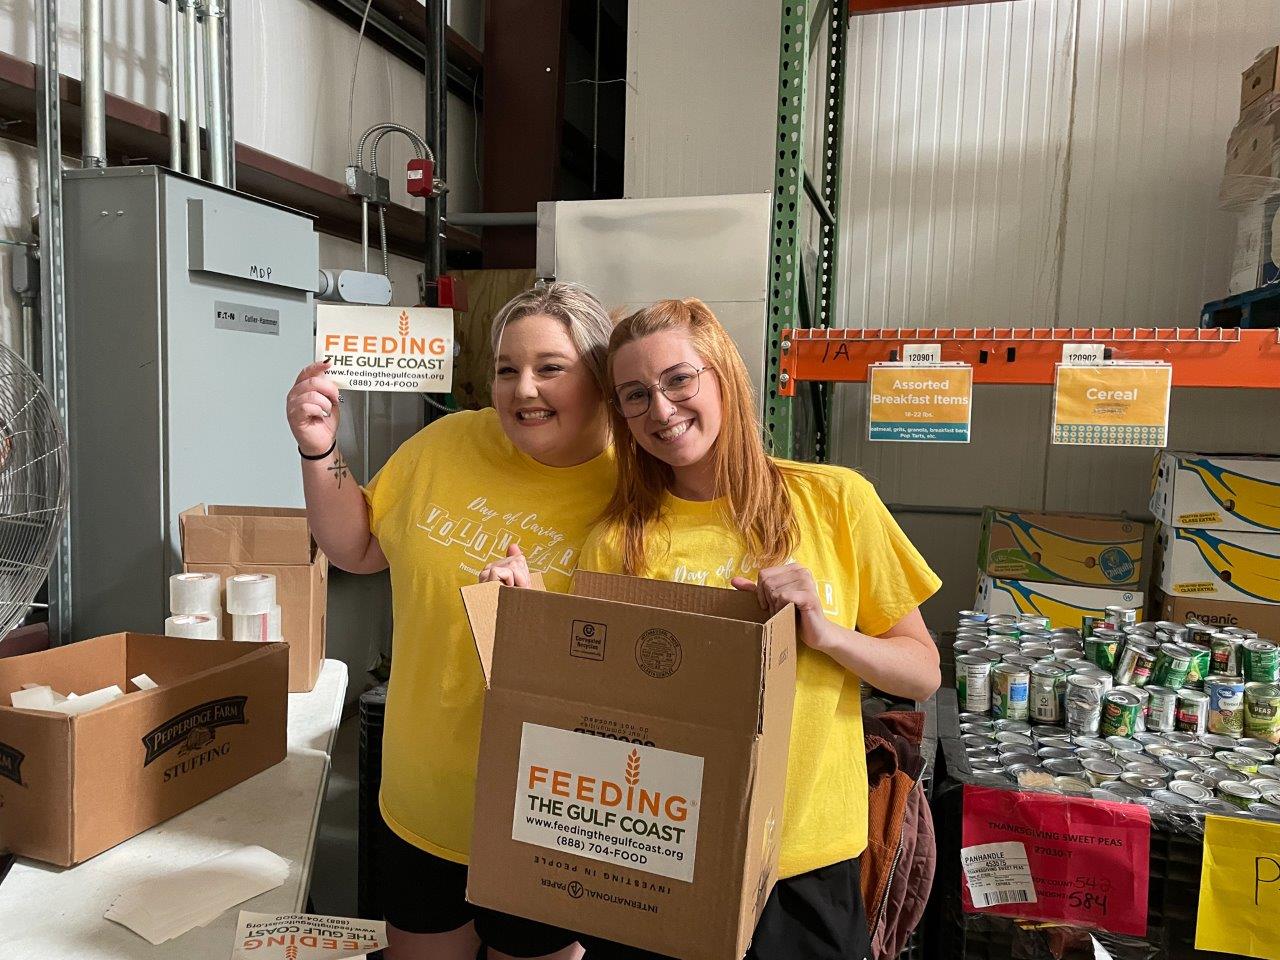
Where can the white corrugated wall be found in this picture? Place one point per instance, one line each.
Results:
(1041, 162)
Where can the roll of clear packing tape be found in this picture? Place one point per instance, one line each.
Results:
(273, 624)
(251, 593)
(193, 626)
(251, 627)
(195, 593)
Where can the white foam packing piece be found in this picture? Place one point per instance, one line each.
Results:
(143, 682)
(33, 697)
(76, 705)
(169, 905)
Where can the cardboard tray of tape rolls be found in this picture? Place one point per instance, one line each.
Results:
(229, 540)
(74, 786)
(632, 760)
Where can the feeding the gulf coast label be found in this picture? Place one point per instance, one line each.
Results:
(610, 800)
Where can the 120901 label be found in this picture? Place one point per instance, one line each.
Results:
(610, 800)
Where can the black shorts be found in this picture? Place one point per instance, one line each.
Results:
(422, 893)
(814, 916)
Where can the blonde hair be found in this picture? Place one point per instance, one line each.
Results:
(759, 505)
(573, 305)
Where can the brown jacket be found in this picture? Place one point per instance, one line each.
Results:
(898, 864)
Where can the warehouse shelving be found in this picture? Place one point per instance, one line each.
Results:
(1201, 357)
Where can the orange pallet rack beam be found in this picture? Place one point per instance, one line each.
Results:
(1201, 357)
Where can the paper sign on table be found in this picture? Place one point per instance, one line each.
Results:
(302, 936)
(403, 349)
(1113, 405)
(919, 403)
(1088, 860)
(1240, 888)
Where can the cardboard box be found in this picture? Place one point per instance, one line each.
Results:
(1063, 604)
(1069, 548)
(1217, 491)
(1262, 78)
(71, 787)
(1254, 260)
(633, 760)
(228, 540)
(1218, 564)
(1262, 617)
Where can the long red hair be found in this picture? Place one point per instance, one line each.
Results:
(757, 502)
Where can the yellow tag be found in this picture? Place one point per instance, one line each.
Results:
(929, 404)
(1118, 405)
(1240, 888)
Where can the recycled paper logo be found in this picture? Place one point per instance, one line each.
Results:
(194, 728)
(11, 763)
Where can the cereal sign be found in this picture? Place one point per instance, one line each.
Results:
(402, 349)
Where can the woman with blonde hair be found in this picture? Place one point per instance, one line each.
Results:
(524, 478)
(699, 500)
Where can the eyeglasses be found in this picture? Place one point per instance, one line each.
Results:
(677, 383)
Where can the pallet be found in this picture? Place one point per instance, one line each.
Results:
(1254, 309)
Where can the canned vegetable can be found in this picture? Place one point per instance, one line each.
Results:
(1261, 661)
(1009, 691)
(1262, 711)
(1193, 711)
(1226, 705)
(1120, 713)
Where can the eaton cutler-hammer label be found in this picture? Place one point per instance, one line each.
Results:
(610, 800)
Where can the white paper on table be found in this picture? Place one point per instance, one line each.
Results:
(302, 936)
(169, 905)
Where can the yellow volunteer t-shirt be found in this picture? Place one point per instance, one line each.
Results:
(869, 577)
(449, 501)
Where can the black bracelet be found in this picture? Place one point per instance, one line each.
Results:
(320, 456)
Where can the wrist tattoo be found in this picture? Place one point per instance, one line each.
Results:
(339, 469)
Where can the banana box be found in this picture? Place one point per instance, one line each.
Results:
(1066, 605)
(1218, 564)
(1239, 492)
(1083, 549)
(1263, 618)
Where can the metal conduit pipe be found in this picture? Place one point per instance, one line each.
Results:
(190, 80)
(419, 147)
(175, 86)
(387, 127)
(93, 97)
(228, 97)
(215, 122)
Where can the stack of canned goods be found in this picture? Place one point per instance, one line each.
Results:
(1173, 716)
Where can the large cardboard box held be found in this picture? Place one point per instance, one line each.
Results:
(1065, 605)
(633, 760)
(228, 540)
(1085, 549)
(71, 787)
(1263, 618)
(1217, 491)
(1218, 564)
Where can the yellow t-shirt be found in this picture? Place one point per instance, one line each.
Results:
(869, 577)
(449, 501)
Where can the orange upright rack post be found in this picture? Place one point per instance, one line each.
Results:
(1201, 357)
